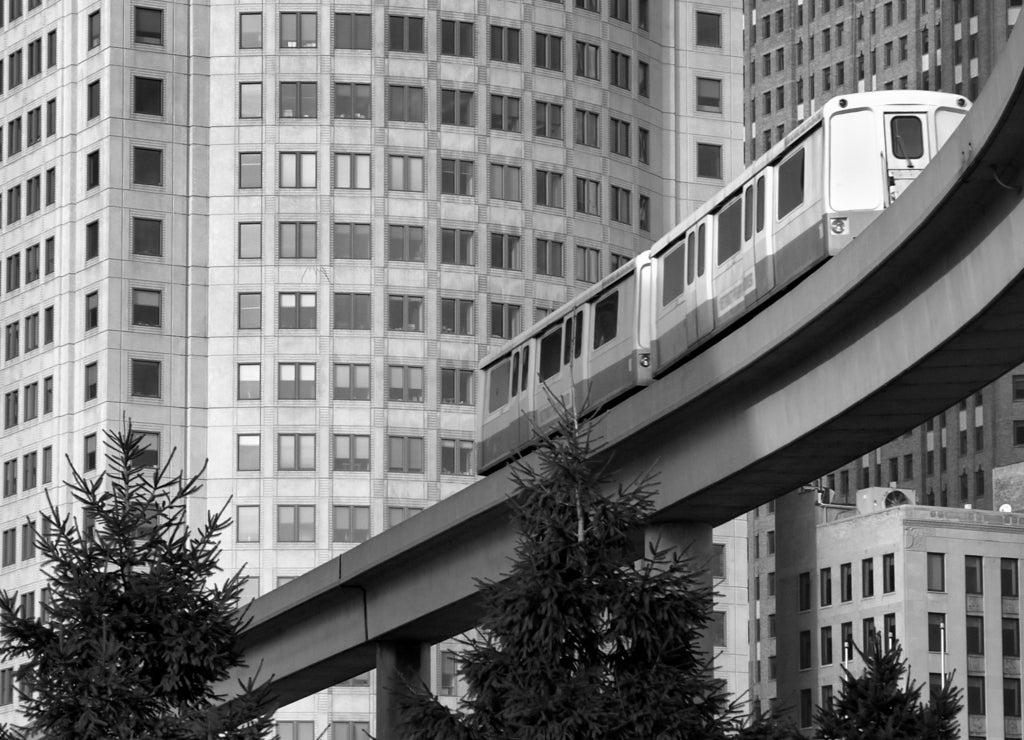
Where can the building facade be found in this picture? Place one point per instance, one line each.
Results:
(278, 236)
(800, 53)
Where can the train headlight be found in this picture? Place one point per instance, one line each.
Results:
(645, 359)
(838, 226)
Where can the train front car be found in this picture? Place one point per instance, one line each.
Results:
(876, 144)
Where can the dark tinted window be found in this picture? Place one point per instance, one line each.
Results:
(606, 314)
(672, 273)
(907, 137)
(760, 204)
(729, 231)
(791, 183)
(550, 346)
(498, 385)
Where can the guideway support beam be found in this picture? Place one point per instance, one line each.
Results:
(399, 663)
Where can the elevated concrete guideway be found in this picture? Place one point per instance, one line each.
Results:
(924, 308)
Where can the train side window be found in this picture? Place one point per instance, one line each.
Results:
(700, 251)
(791, 183)
(498, 385)
(748, 213)
(550, 347)
(760, 204)
(606, 317)
(691, 258)
(729, 242)
(907, 137)
(672, 274)
(526, 366)
(567, 345)
(577, 333)
(515, 374)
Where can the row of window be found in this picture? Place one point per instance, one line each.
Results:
(974, 574)
(16, 9)
(825, 646)
(147, 27)
(24, 64)
(340, 730)
(28, 132)
(25, 336)
(36, 261)
(297, 522)
(147, 97)
(867, 580)
(27, 402)
(34, 193)
(35, 467)
(9, 556)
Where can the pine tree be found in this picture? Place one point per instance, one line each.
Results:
(580, 640)
(880, 705)
(134, 633)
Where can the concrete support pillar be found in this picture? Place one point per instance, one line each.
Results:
(399, 662)
(693, 539)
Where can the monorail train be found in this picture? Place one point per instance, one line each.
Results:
(797, 205)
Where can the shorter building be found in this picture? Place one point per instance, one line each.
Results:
(945, 582)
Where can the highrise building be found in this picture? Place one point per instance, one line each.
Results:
(800, 53)
(278, 236)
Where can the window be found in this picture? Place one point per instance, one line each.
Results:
(298, 170)
(620, 69)
(587, 60)
(709, 95)
(709, 161)
(10, 478)
(34, 126)
(14, 69)
(825, 586)
(146, 307)
(31, 401)
(247, 522)
(976, 695)
(51, 186)
(457, 386)
(352, 454)
(405, 313)
(405, 103)
(506, 182)
(547, 52)
(250, 313)
(92, 109)
(12, 340)
(936, 571)
(351, 523)
(405, 455)
(973, 574)
(296, 381)
(148, 96)
(1011, 637)
(588, 264)
(456, 176)
(296, 311)
(249, 381)
(457, 107)
(505, 320)
(248, 452)
(405, 173)
(456, 38)
(296, 452)
(351, 382)
(145, 378)
(621, 199)
(351, 730)
(867, 577)
(619, 10)
(352, 31)
(619, 135)
(89, 452)
(48, 395)
(296, 240)
(456, 247)
(405, 33)
(549, 259)
(456, 457)
(505, 252)
(845, 582)
(51, 115)
(588, 196)
(405, 383)
(250, 240)
(32, 264)
(28, 531)
(1011, 697)
(405, 243)
(298, 30)
(352, 100)
(504, 44)
(250, 31)
(352, 311)
(297, 100)
(804, 591)
(351, 241)
(92, 310)
(975, 635)
(888, 573)
(826, 646)
(457, 316)
(11, 399)
(10, 548)
(14, 204)
(93, 30)
(548, 189)
(504, 113)
(805, 649)
(1008, 578)
(250, 170)
(398, 514)
(149, 26)
(643, 14)
(547, 120)
(296, 524)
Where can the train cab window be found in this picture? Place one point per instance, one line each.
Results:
(791, 183)
(691, 258)
(577, 333)
(515, 374)
(907, 137)
(672, 274)
(748, 213)
(760, 204)
(550, 348)
(606, 316)
(700, 251)
(498, 385)
(729, 230)
(526, 366)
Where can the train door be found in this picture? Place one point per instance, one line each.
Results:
(764, 265)
(729, 268)
(560, 369)
(701, 319)
(906, 150)
(612, 352)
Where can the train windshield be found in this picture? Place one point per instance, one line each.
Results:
(907, 137)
